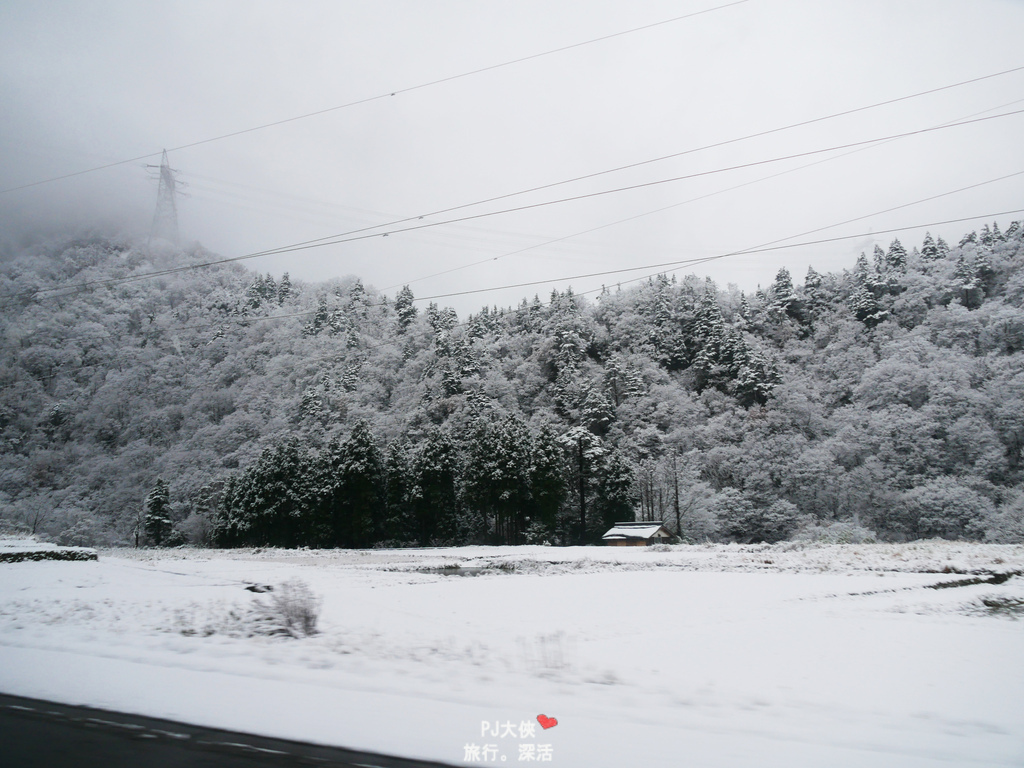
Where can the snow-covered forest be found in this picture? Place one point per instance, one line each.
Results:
(220, 406)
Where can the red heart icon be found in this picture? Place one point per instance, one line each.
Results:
(546, 722)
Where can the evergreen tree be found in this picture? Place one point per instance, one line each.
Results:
(271, 502)
(269, 289)
(862, 270)
(816, 298)
(442, 321)
(812, 282)
(547, 482)
(254, 294)
(866, 307)
(616, 494)
(879, 261)
(752, 376)
(157, 519)
(405, 309)
(783, 301)
(354, 492)
(321, 319)
(984, 274)
(708, 326)
(896, 257)
(967, 285)
(399, 483)
(284, 289)
(496, 480)
(437, 501)
(584, 454)
(929, 251)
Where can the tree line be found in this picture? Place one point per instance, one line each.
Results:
(883, 400)
(498, 483)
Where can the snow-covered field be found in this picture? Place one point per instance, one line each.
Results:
(689, 656)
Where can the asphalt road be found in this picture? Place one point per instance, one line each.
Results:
(40, 734)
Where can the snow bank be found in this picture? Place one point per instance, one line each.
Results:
(15, 549)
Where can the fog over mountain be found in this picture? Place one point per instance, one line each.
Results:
(291, 123)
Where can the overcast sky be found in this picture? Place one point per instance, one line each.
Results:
(85, 84)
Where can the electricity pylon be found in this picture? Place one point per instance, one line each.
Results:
(165, 218)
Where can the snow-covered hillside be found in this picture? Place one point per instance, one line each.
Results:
(709, 656)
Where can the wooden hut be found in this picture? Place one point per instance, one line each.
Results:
(637, 534)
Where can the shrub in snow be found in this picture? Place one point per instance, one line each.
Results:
(292, 610)
(836, 533)
(945, 508)
(545, 654)
(746, 519)
(1006, 526)
(538, 533)
(1002, 605)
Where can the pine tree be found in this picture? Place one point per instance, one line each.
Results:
(442, 321)
(584, 454)
(862, 270)
(280, 495)
(896, 257)
(547, 483)
(752, 376)
(398, 484)
(254, 294)
(929, 251)
(866, 307)
(783, 300)
(744, 311)
(942, 247)
(816, 299)
(496, 480)
(984, 273)
(404, 308)
(879, 261)
(969, 287)
(269, 290)
(321, 319)
(437, 500)
(355, 494)
(284, 289)
(157, 518)
(812, 282)
(709, 325)
(616, 494)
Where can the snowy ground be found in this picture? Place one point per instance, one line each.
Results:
(689, 656)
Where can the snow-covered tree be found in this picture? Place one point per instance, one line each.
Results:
(157, 520)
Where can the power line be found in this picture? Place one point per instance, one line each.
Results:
(355, 236)
(682, 153)
(563, 238)
(378, 97)
(705, 259)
